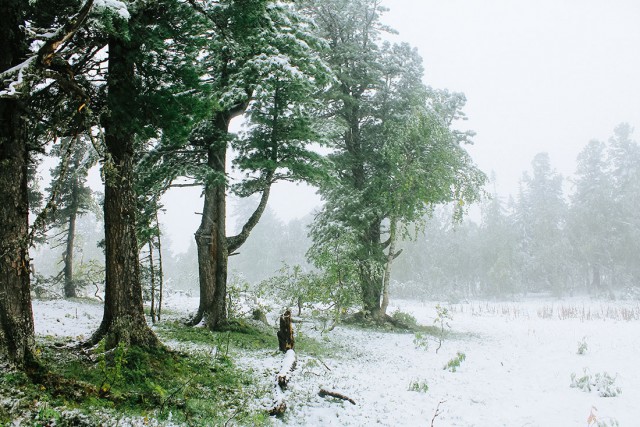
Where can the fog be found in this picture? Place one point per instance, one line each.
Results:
(539, 76)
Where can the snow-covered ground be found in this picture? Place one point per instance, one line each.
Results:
(517, 371)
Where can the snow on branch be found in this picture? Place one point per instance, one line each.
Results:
(26, 71)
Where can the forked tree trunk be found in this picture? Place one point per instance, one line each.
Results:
(16, 319)
(211, 241)
(123, 319)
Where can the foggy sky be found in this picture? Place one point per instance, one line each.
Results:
(539, 75)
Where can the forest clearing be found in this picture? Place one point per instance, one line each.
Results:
(288, 212)
(519, 359)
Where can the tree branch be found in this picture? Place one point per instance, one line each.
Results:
(234, 242)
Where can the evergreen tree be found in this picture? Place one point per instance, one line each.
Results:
(498, 243)
(149, 86)
(259, 60)
(541, 215)
(591, 220)
(73, 199)
(16, 320)
(23, 65)
(624, 157)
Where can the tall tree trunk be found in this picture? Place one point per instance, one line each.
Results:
(160, 273)
(16, 318)
(123, 319)
(371, 271)
(152, 272)
(211, 240)
(391, 255)
(69, 284)
(212, 243)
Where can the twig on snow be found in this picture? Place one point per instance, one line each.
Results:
(438, 412)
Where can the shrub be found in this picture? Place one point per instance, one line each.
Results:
(421, 341)
(419, 386)
(582, 346)
(603, 383)
(405, 319)
(453, 364)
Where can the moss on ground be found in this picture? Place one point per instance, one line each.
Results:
(156, 384)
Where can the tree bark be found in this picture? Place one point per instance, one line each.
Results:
(323, 392)
(391, 255)
(211, 240)
(69, 284)
(370, 274)
(212, 243)
(16, 318)
(152, 273)
(286, 340)
(123, 319)
(160, 273)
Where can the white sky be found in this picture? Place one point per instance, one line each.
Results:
(539, 75)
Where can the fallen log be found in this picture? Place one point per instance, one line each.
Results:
(288, 365)
(286, 343)
(279, 403)
(323, 393)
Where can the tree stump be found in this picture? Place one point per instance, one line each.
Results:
(285, 334)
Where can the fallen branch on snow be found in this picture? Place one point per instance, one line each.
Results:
(323, 393)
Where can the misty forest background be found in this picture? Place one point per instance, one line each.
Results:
(146, 92)
(558, 235)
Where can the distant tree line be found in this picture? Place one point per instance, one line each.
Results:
(556, 236)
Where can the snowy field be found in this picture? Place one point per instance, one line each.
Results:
(520, 357)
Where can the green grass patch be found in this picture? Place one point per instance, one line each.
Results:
(194, 389)
(239, 334)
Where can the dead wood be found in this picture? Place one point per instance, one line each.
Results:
(288, 365)
(323, 393)
(286, 340)
(286, 343)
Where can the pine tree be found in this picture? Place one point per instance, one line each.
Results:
(591, 221)
(541, 217)
(73, 199)
(624, 158)
(151, 89)
(21, 69)
(260, 60)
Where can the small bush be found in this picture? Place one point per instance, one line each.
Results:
(419, 386)
(405, 319)
(582, 346)
(603, 383)
(453, 364)
(421, 341)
